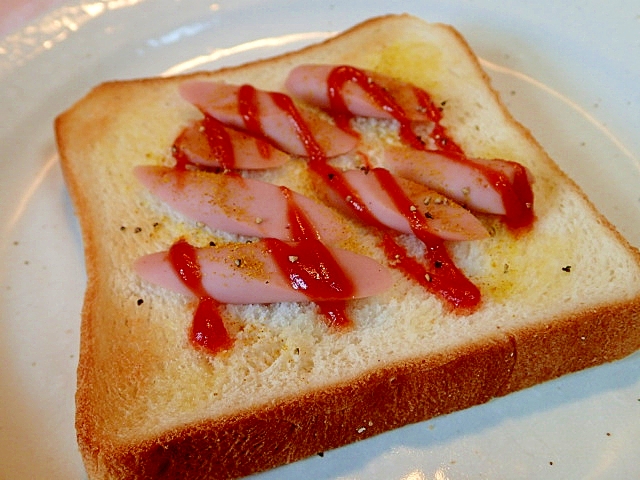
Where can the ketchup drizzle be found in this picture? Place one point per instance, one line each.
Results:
(336, 181)
(218, 141)
(248, 109)
(442, 277)
(445, 279)
(439, 133)
(334, 312)
(516, 194)
(312, 147)
(308, 263)
(250, 112)
(311, 267)
(518, 200)
(300, 226)
(207, 329)
(341, 75)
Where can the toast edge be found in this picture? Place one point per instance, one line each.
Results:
(377, 402)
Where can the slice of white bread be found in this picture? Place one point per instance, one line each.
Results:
(559, 298)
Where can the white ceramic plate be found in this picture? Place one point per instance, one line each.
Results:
(568, 70)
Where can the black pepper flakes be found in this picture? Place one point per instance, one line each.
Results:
(140, 301)
(137, 230)
(438, 264)
(566, 268)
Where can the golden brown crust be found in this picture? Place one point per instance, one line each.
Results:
(509, 359)
(383, 400)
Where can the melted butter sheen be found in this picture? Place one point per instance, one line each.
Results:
(522, 269)
(411, 62)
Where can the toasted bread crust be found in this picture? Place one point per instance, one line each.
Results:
(377, 400)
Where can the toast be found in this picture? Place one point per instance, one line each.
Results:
(557, 297)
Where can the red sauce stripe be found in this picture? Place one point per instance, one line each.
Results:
(207, 329)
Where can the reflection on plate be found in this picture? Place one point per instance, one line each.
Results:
(577, 94)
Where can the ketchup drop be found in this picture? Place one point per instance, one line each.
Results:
(207, 330)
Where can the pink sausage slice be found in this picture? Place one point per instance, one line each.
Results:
(226, 148)
(247, 273)
(310, 83)
(222, 101)
(443, 217)
(462, 179)
(235, 204)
